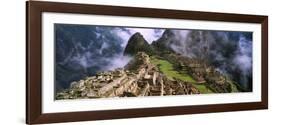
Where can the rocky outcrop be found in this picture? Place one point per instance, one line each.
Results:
(138, 44)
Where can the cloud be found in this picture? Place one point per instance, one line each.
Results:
(124, 35)
(243, 58)
(229, 52)
(117, 61)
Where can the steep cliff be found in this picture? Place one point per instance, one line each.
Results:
(138, 44)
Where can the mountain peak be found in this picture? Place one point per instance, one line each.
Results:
(163, 43)
(137, 34)
(136, 44)
(137, 37)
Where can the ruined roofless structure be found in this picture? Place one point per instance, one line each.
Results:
(139, 78)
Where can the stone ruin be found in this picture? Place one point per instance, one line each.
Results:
(138, 78)
(202, 73)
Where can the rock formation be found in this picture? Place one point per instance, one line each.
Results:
(138, 44)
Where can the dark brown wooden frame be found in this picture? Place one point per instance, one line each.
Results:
(34, 62)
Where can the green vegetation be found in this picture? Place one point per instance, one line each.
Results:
(168, 69)
(234, 86)
(138, 44)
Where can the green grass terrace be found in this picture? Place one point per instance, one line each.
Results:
(167, 69)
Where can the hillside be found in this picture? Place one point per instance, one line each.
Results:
(138, 44)
(145, 80)
(155, 70)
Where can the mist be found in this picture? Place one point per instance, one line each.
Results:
(119, 60)
(229, 52)
(84, 50)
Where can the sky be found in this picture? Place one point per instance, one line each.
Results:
(149, 34)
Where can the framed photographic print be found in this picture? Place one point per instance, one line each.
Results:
(92, 62)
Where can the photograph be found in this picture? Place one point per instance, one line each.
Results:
(97, 61)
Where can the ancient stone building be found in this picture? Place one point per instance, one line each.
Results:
(144, 79)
